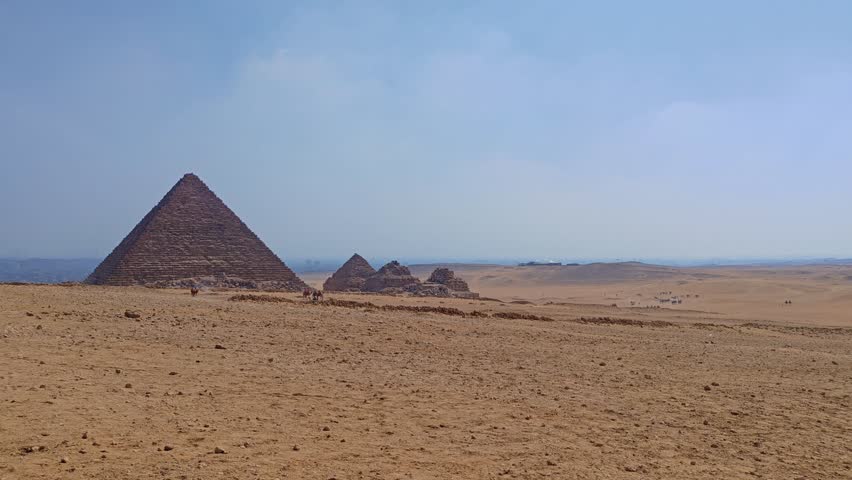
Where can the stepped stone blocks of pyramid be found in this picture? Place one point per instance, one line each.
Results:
(351, 276)
(445, 276)
(444, 283)
(392, 278)
(192, 238)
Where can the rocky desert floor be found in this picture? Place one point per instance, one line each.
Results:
(208, 387)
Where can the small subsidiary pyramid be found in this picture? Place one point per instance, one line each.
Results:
(191, 237)
(445, 276)
(350, 276)
(391, 278)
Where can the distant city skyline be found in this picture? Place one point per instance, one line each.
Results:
(439, 130)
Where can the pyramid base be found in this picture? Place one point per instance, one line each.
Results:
(230, 282)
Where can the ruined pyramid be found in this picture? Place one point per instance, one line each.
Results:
(445, 276)
(350, 276)
(391, 278)
(192, 238)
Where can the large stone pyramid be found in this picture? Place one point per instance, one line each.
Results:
(192, 237)
(350, 276)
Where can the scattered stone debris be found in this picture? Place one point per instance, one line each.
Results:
(250, 297)
(623, 321)
(332, 302)
(429, 290)
(521, 316)
(225, 281)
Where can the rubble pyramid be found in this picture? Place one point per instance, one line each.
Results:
(351, 276)
(393, 277)
(445, 276)
(191, 236)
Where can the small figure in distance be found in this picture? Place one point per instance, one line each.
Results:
(193, 291)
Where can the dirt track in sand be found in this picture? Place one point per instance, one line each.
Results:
(303, 391)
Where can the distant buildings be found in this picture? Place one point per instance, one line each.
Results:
(545, 264)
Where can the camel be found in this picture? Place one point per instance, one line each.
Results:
(193, 291)
(306, 293)
(317, 295)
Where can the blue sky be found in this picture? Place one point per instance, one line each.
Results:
(435, 129)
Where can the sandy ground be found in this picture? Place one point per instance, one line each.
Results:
(308, 391)
(820, 295)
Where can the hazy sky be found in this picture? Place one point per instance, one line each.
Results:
(434, 129)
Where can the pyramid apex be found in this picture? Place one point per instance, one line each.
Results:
(190, 179)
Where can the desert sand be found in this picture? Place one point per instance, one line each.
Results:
(732, 384)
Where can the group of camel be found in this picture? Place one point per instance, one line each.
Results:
(312, 294)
